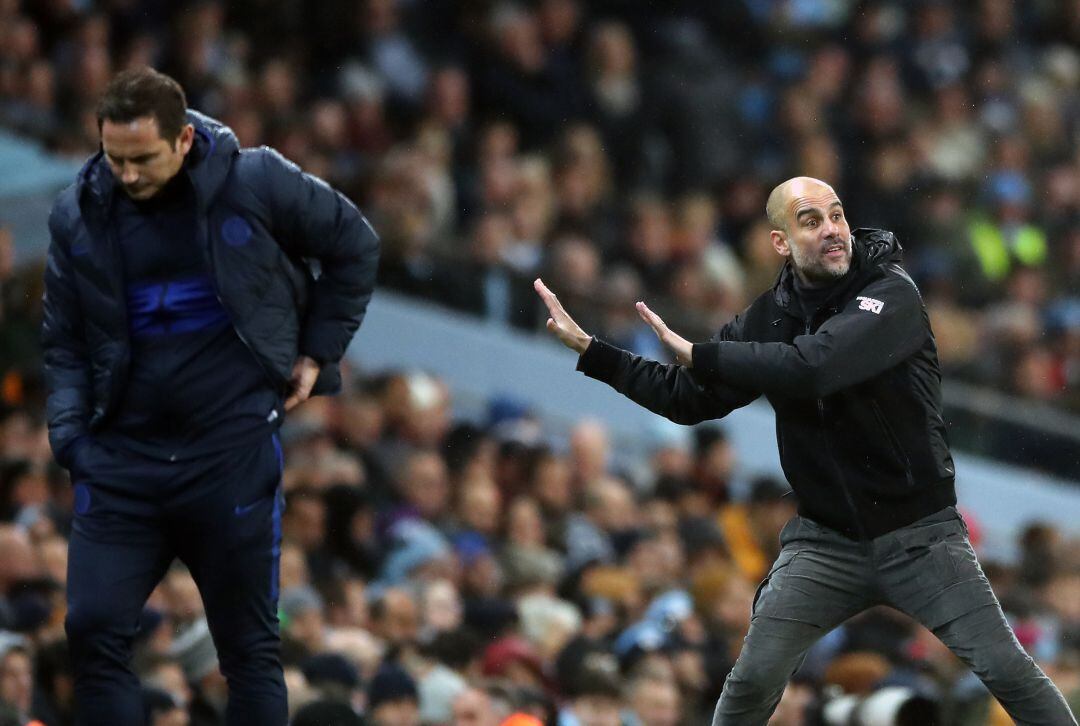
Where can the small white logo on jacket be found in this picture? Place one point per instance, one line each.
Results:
(869, 303)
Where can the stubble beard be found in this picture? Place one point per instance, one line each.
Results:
(817, 270)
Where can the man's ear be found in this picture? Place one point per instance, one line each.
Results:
(780, 243)
(186, 139)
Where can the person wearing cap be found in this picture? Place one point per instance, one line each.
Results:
(595, 700)
(514, 659)
(197, 656)
(841, 346)
(301, 611)
(335, 678)
(327, 712)
(393, 699)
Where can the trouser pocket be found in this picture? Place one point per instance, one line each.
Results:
(767, 598)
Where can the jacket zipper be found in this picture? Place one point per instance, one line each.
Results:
(894, 442)
(204, 225)
(836, 467)
(114, 252)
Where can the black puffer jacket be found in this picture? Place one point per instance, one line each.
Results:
(856, 389)
(261, 221)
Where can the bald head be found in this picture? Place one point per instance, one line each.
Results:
(809, 227)
(776, 207)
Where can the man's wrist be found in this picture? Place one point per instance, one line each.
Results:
(706, 357)
(600, 360)
(686, 355)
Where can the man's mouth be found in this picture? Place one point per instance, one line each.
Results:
(835, 251)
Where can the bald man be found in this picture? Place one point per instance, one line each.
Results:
(841, 347)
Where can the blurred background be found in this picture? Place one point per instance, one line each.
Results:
(474, 530)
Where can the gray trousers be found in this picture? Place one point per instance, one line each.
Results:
(926, 570)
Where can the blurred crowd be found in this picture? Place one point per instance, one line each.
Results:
(473, 572)
(484, 572)
(623, 149)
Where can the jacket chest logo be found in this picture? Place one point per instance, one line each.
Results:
(236, 231)
(869, 303)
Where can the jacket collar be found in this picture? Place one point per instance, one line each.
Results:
(870, 251)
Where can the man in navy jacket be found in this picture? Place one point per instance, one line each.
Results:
(194, 293)
(842, 349)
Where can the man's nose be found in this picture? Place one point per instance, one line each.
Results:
(129, 174)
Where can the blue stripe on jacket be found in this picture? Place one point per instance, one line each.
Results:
(175, 306)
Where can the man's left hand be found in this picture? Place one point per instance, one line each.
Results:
(680, 346)
(304, 373)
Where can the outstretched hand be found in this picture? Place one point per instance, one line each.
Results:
(560, 323)
(680, 346)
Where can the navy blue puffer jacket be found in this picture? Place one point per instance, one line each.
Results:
(264, 227)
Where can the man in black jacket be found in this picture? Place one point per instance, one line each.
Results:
(182, 319)
(842, 348)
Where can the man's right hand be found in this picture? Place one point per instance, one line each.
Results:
(560, 323)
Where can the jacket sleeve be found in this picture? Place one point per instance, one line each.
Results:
(312, 220)
(675, 392)
(69, 401)
(885, 324)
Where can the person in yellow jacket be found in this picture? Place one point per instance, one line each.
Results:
(752, 529)
(1007, 237)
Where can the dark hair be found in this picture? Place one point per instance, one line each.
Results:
(140, 92)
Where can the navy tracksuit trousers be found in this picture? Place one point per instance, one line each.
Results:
(221, 516)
